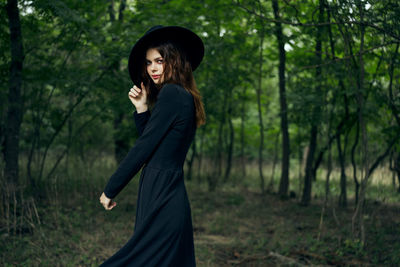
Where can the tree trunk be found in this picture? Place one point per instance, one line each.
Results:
(394, 166)
(260, 119)
(309, 174)
(230, 144)
(392, 105)
(353, 163)
(342, 155)
(14, 112)
(191, 160)
(230, 137)
(397, 168)
(343, 188)
(122, 7)
(200, 157)
(327, 186)
(396, 155)
(242, 136)
(213, 177)
(306, 197)
(392, 169)
(357, 220)
(121, 145)
(274, 162)
(302, 167)
(284, 182)
(69, 139)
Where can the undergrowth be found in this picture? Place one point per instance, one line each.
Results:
(234, 226)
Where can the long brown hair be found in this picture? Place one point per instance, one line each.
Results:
(177, 69)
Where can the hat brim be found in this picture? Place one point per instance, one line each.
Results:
(185, 38)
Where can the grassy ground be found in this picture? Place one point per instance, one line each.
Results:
(234, 226)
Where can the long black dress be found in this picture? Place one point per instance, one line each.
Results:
(163, 233)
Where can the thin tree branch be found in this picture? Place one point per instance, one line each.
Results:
(382, 156)
(337, 59)
(391, 98)
(312, 24)
(66, 117)
(65, 150)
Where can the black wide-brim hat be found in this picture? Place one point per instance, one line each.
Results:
(189, 42)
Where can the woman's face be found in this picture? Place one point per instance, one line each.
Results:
(155, 65)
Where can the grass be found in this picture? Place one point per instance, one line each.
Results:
(234, 226)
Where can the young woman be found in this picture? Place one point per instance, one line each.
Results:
(160, 65)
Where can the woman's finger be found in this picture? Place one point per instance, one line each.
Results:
(132, 94)
(105, 205)
(110, 205)
(136, 89)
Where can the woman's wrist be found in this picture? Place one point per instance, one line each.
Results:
(141, 109)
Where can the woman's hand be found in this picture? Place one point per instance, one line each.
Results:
(138, 97)
(107, 203)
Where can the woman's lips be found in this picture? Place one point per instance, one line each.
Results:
(155, 76)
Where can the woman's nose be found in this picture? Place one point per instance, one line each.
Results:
(154, 67)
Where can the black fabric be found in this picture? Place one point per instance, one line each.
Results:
(163, 234)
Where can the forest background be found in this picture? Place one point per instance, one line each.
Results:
(298, 163)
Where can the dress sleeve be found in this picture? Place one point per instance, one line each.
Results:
(162, 117)
(141, 120)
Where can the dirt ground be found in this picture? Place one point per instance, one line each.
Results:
(232, 227)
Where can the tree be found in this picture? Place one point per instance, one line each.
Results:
(306, 197)
(284, 181)
(14, 112)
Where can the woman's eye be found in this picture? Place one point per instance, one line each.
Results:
(160, 61)
(148, 62)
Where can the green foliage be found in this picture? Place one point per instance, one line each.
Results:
(75, 71)
(351, 247)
